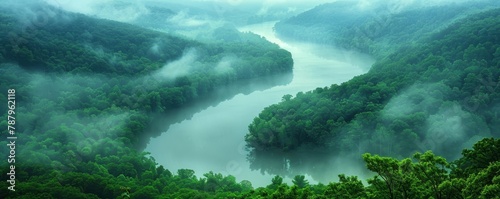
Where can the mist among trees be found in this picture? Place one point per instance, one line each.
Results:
(96, 81)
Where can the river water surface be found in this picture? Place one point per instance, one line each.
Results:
(213, 139)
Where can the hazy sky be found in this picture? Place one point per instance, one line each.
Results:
(136, 7)
(211, 10)
(267, 2)
(85, 4)
(88, 5)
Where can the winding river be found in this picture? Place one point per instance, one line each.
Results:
(213, 139)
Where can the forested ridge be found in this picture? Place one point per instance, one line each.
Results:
(440, 93)
(79, 119)
(90, 92)
(101, 65)
(379, 29)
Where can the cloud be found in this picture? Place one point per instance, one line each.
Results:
(395, 6)
(452, 128)
(87, 134)
(418, 97)
(124, 11)
(225, 65)
(177, 68)
(155, 49)
(129, 10)
(31, 14)
(182, 18)
(447, 127)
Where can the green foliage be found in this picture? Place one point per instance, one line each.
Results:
(85, 109)
(89, 90)
(300, 181)
(479, 157)
(436, 94)
(424, 176)
(376, 29)
(485, 184)
(347, 187)
(275, 182)
(429, 177)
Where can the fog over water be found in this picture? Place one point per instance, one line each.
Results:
(213, 139)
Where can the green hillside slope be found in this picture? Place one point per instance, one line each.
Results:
(90, 92)
(378, 29)
(438, 94)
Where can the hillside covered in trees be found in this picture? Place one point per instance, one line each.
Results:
(94, 66)
(378, 29)
(440, 93)
(91, 92)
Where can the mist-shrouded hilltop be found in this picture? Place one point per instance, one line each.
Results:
(376, 27)
(192, 18)
(99, 65)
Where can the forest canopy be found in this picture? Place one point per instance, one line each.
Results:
(439, 93)
(379, 29)
(88, 92)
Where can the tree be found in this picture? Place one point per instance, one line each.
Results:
(186, 174)
(286, 97)
(275, 182)
(347, 187)
(386, 168)
(485, 184)
(300, 181)
(246, 186)
(431, 170)
(482, 154)
(213, 181)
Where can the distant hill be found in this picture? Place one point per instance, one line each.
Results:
(377, 29)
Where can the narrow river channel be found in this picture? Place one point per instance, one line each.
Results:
(213, 139)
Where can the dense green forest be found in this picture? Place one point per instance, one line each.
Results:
(474, 175)
(440, 93)
(379, 29)
(97, 66)
(88, 92)
(91, 92)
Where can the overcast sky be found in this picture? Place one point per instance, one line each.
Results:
(204, 11)
(193, 12)
(135, 8)
(87, 6)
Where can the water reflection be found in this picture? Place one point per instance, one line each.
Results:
(161, 123)
(213, 139)
(320, 166)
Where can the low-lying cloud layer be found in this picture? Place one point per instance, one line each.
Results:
(183, 19)
(125, 11)
(177, 68)
(448, 126)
